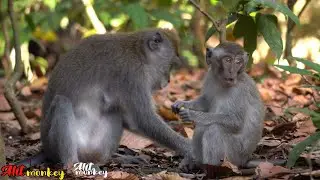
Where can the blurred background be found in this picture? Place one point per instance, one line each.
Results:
(48, 28)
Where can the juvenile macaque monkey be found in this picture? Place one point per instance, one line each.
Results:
(103, 86)
(229, 113)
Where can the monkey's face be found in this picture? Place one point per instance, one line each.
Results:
(229, 61)
(161, 56)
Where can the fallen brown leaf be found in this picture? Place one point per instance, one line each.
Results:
(189, 132)
(38, 84)
(268, 141)
(4, 105)
(6, 116)
(293, 79)
(134, 141)
(268, 170)
(306, 127)
(167, 114)
(120, 175)
(26, 91)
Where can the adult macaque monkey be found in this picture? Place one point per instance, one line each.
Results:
(229, 113)
(103, 86)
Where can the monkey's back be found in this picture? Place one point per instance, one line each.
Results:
(94, 60)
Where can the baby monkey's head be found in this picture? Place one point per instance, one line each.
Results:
(228, 60)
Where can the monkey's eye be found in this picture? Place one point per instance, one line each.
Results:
(228, 60)
(238, 61)
(157, 40)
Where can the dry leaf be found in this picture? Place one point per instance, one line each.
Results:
(167, 114)
(189, 132)
(6, 116)
(120, 175)
(4, 105)
(39, 84)
(265, 94)
(231, 166)
(267, 170)
(26, 91)
(268, 141)
(301, 100)
(306, 127)
(134, 141)
(293, 79)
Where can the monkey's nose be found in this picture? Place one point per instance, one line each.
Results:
(229, 79)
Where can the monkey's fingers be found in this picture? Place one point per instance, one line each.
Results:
(177, 106)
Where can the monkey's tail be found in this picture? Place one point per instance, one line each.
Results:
(32, 161)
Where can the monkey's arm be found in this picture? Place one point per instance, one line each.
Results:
(232, 121)
(152, 126)
(199, 104)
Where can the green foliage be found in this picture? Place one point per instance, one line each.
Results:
(295, 70)
(247, 28)
(210, 32)
(268, 28)
(138, 15)
(315, 116)
(50, 3)
(299, 148)
(276, 6)
(249, 35)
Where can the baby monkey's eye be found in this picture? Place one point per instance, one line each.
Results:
(238, 61)
(228, 60)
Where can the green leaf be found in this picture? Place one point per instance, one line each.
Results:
(246, 27)
(271, 34)
(167, 16)
(50, 3)
(164, 3)
(210, 32)
(316, 121)
(299, 148)
(230, 5)
(310, 64)
(295, 70)
(138, 15)
(278, 7)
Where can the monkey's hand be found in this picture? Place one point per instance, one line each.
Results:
(178, 105)
(187, 164)
(187, 114)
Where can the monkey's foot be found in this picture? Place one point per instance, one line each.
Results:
(188, 164)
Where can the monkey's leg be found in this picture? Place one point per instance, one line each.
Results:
(213, 147)
(60, 144)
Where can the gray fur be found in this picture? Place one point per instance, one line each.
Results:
(102, 86)
(229, 119)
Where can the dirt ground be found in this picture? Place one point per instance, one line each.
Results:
(283, 129)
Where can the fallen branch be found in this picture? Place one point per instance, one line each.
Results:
(9, 87)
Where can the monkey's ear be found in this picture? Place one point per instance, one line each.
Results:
(208, 55)
(245, 57)
(154, 41)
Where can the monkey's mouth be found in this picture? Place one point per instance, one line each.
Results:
(229, 81)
